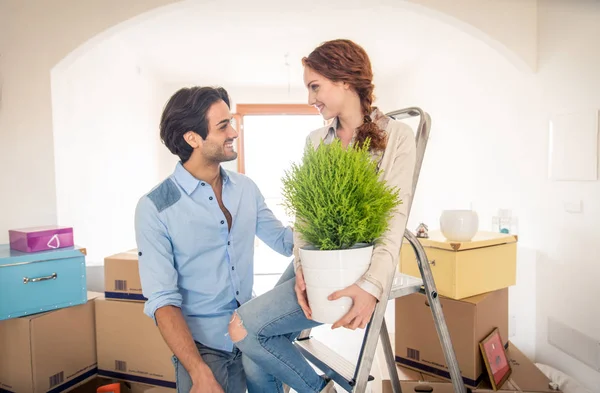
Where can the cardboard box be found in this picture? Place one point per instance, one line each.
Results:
(404, 374)
(382, 382)
(431, 378)
(130, 346)
(525, 378)
(446, 387)
(466, 269)
(125, 387)
(381, 374)
(49, 352)
(157, 389)
(122, 277)
(469, 321)
(426, 387)
(93, 384)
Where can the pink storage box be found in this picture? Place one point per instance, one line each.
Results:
(40, 238)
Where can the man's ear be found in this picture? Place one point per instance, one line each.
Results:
(192, 139)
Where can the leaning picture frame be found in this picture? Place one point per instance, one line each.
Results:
(496, 361)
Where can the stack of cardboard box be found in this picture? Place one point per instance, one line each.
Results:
(129, 344)
(472, 279)
(47, 332)
(56, 336)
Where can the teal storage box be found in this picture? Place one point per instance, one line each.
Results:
(31, 283)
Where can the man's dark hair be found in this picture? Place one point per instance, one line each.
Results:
(187, 111)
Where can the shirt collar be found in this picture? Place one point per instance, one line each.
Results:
(189, 183)
(330, 131)
(225, 176)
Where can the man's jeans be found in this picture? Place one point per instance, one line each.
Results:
(226, 367)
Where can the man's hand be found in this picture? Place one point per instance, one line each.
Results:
(300, 289)
(204, 381)
(363, 305)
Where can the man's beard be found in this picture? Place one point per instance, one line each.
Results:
(221, 156)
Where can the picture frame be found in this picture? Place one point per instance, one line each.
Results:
(496, 361)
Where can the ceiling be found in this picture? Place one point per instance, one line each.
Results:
(245, 43)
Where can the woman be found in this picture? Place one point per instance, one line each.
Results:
(339, 80)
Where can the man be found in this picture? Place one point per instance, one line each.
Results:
(195, 235)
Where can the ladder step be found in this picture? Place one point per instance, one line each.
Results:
(404, 285)
(330, 362)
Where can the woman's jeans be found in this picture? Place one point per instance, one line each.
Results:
(273, 321)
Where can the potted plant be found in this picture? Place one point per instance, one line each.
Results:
(341, 209)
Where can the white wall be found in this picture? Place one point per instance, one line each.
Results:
(106, 115)
(487, 20)
(568, 270)
(488, 148)
(26, 135)
(34, 37)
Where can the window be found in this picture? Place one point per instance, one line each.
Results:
(271, 138)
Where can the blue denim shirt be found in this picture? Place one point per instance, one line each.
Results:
(188, 258)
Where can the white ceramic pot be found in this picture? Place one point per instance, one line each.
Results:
(327, 271)
(459, 225)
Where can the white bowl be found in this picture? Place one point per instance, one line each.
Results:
(459, 225)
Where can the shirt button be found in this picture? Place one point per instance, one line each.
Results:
(237, 292)
(222, 222)
(228, 243)
(233, 268)
(202, 183)
(210, 198)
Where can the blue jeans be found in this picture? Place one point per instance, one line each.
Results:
(226, 367)
(273, 321)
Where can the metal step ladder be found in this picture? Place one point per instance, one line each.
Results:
(354, 378)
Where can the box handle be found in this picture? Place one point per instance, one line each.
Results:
(423, 389)
(53, 276)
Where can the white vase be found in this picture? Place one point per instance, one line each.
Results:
(459, 225)
(327, 271)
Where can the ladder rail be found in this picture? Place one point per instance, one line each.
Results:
(438, 314)
(390, 361)
(377, 321)
(421, 139)
(369, 345)
(367, 351)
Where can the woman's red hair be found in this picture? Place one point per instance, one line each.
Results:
(345, 61)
